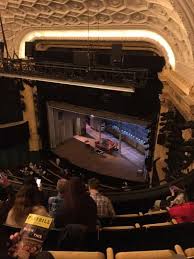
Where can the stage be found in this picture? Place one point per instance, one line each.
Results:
(115, 165)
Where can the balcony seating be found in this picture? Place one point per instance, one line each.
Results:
(156, 212)
(189, 252)
(155, 217)
(117, 228)
(119, 237)
(154, 254)
(160, 237)
(124, 238)
(75, 255)
(125, 219)
(131, 219)
(149, 236)
(142, 219)
(160, 254)
(167, 223)
(134, 237)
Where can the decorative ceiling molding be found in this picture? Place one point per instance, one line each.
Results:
(185, 10)
(175, 79)
(45, 45)
(174, 90)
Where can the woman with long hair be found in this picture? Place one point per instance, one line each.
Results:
(79, 207)
(26, 201)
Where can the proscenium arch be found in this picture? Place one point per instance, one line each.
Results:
(105, 34)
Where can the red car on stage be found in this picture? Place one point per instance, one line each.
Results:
(106, 145)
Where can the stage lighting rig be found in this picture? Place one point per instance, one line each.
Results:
(123, 80)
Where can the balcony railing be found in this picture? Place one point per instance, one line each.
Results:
(100, 77)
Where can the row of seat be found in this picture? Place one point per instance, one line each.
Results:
(137, 226)
(150, 236)
(121, 239)
(154, 254)
(140, 218)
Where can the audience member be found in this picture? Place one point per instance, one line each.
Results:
(58, 161)
(163, 204)
(104, 205)
(174, 190)
(181, 209)
(26, 201)
(30, 180)
(56, 203)
(16, 251)
(67, 173)
(180, 198)
(7, 196)
(79, 208)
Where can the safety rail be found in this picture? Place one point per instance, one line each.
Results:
(69, 74)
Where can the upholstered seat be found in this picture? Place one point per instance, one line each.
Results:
(156, 212)
(126, 219)
(118, 237)
(189, 252)
(77, 255)
(117, 228)
(127, 216)
(158, 224)
(158, 254)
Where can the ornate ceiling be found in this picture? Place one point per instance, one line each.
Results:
(170, 18)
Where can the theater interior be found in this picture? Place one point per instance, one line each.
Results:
(101, 90)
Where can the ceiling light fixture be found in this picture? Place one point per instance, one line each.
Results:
(102, 34)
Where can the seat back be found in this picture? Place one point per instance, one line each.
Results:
(160, 224)
(74, 237)
(158, 254)
(155, 217)
(162, 236)
(189, 252)
(76, 255)
(53, 239)
(126, 219)
(118, 237)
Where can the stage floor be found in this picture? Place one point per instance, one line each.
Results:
(114, 165)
